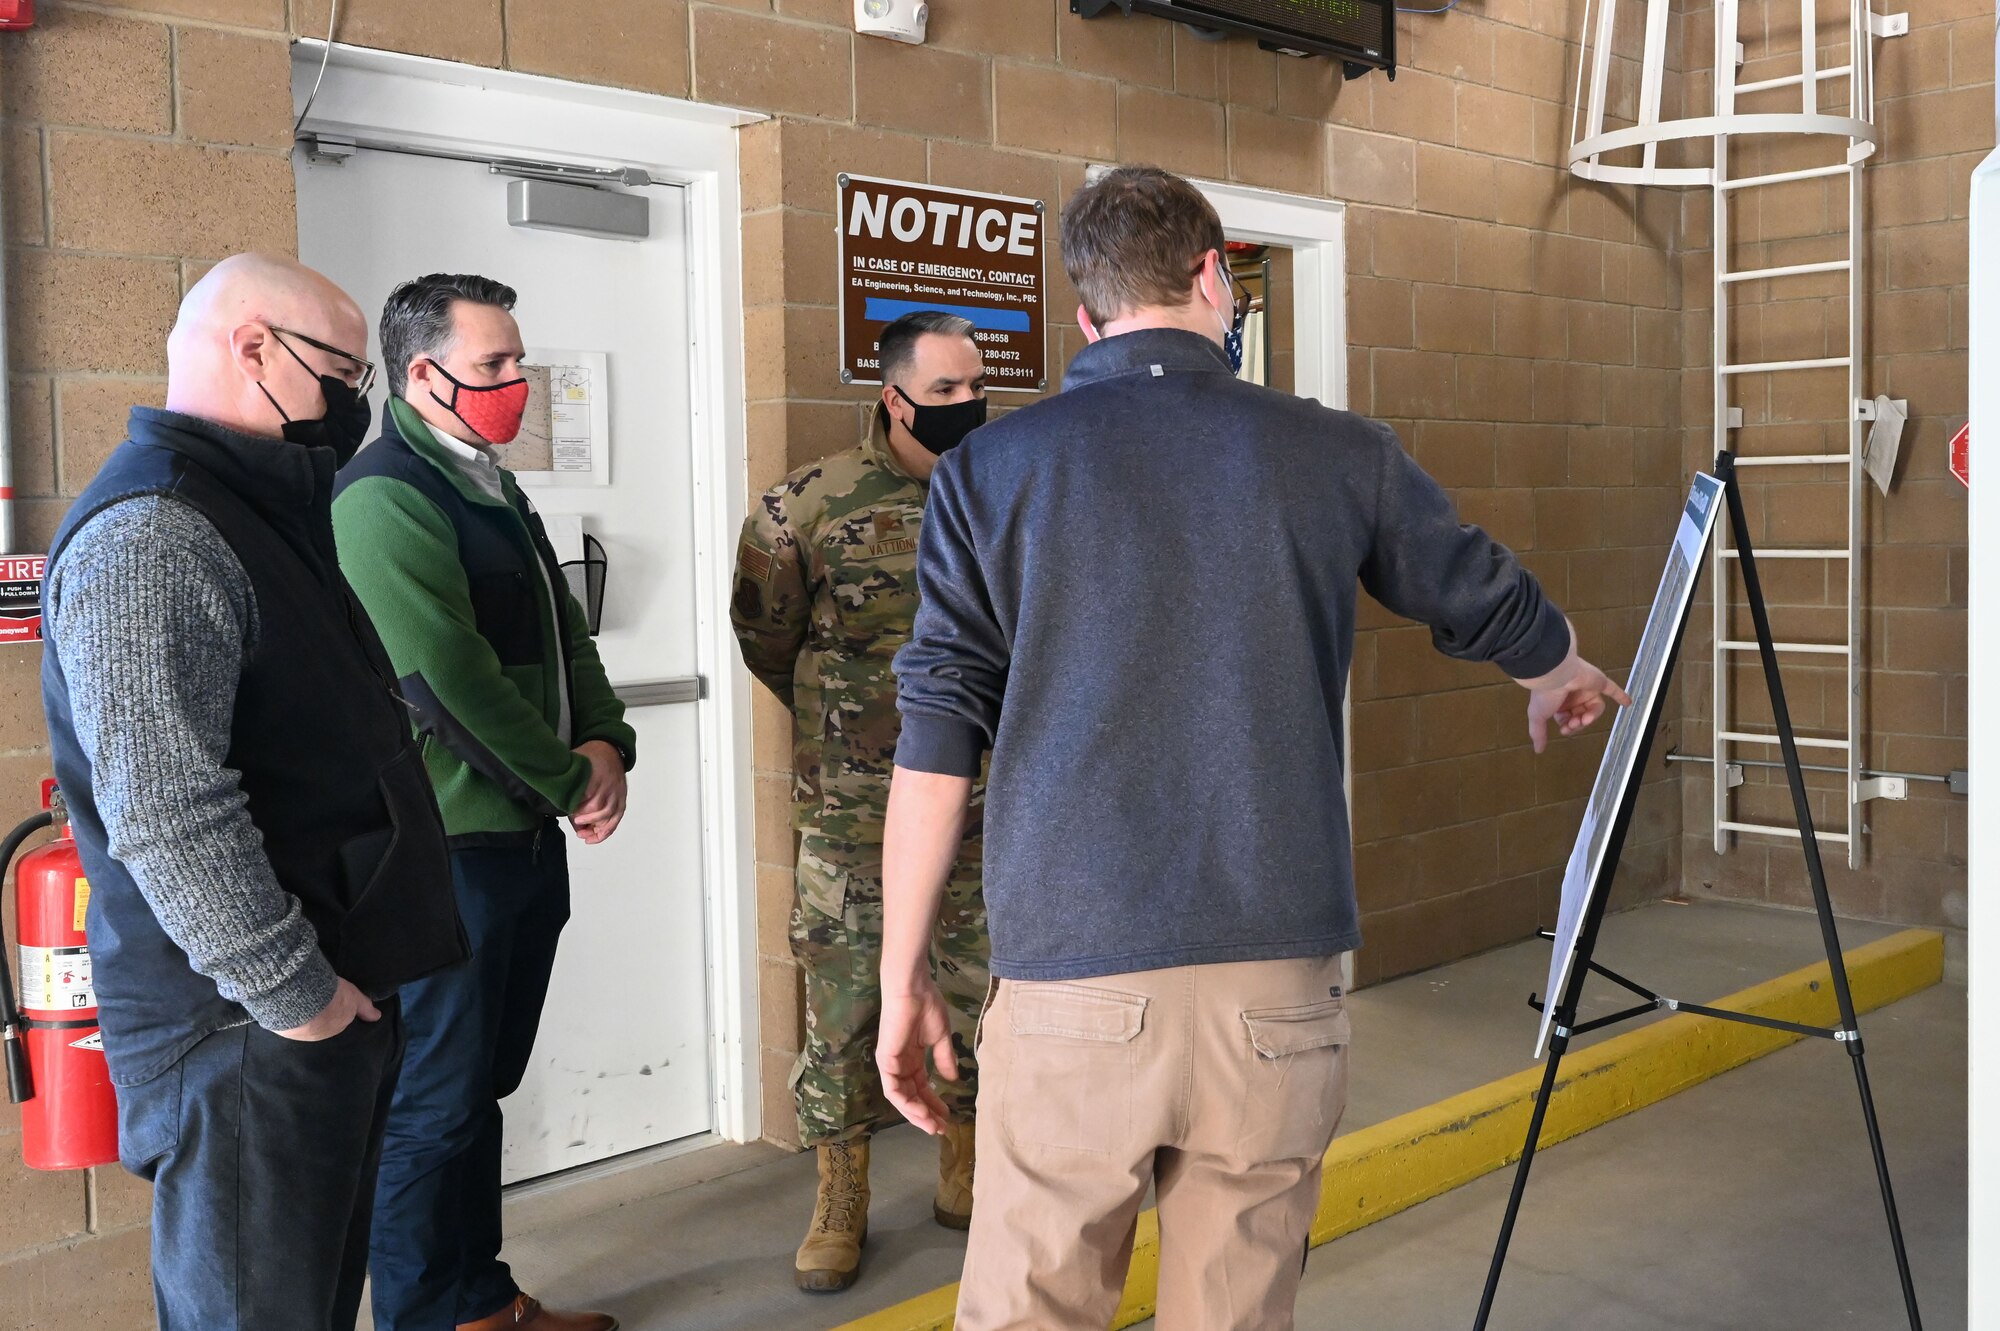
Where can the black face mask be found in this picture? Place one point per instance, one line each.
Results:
(941, 429)
(344, 427)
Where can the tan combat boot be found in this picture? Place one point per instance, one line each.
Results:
(953, 1206)
(830, 1258)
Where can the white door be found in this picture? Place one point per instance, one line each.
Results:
(622, 1062)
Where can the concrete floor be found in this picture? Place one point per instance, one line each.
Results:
(1747, 1202)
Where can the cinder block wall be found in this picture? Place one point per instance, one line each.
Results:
(1524, 334)
(1936, 109)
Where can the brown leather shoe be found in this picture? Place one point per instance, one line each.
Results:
(525, 1312)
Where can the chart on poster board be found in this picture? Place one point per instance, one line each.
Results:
(1615, 774)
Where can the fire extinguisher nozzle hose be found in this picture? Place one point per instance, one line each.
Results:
(20, 1081)
(20, 1085)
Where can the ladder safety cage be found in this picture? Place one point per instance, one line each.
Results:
(1619, 136)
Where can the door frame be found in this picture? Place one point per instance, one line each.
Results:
(422, 102)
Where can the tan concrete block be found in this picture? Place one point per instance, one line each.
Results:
(118, 1200)
(1251, 74)
(1460, 48)
(1412, 384)
(101, 1283)
(1938, 123)
(1971, 53)
(1498, 257)
(780, 1013)
(1454, 318)
(21, 723)
(1179, 133)
(32, 409)
(1530, 456)
(86, 312)
(1419, 106)
(764, 352)
(1569, 266)
(1055, 111)
(940, 94)
(1139, 49)
(25, 222)
(811, 258)
(1568, 519)
(781, 1123)
(812, 359)
(1527, 62)
(1314, 90)
(1495, 388)
(1021, 175)
(75, 67)
(1529, 195)
(1657, 336)
(775, 894)
(1278, 152)
(764, 258)
(768, 64)
(1569, 392)
(814, 430)
(1018, 29)
(469, 31)
(91, 415)
(833, 13)
(1415, 246)
(1198, 65)
(239, 13)
(1457, 454)
(1496, 122)
(775, 842)
(1457, 183)
(1936, 255)
(761, 165)
(814, 153)
(639, 44)
(1380, 313)
(1600, 333)
(234, 89)
(1370, 168)
(143, 197)
(35, 522)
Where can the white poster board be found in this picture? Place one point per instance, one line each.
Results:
(565, 434)
(1615, 774)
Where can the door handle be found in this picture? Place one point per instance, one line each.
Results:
(661, 692)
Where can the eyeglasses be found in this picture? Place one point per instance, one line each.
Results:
(1242, 293)
(361, 385)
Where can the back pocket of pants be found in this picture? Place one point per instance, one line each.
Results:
(1297, 1080)
(149, 1120)
(1071, 1065)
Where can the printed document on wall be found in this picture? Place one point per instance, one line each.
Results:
(1615, 775)
(564, 437)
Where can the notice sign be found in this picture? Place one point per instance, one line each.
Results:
(907, 247)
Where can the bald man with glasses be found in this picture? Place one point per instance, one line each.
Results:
(266, 860)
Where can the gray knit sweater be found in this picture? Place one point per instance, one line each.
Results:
(154, 615)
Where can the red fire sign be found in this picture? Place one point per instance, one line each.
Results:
(1961, 450)
(21, 597)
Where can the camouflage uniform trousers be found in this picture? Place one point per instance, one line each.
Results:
(836, 933)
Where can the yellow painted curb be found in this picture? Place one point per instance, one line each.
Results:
(1377, 1171)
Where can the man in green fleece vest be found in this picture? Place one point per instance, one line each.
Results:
(520, 728)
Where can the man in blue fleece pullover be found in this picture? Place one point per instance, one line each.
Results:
(1140, 596)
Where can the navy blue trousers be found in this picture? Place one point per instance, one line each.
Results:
(261, 1152)
(435, 1253)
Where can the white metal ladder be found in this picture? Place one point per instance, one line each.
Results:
(1731, 736)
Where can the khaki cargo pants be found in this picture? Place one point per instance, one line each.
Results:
(1221, 1085)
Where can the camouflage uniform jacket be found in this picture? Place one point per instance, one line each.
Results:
(826, 591)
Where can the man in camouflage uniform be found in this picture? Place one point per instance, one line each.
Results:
(826, 591)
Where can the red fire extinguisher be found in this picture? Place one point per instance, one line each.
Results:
(54, 1050)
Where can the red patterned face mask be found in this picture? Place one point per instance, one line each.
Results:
(492, 412)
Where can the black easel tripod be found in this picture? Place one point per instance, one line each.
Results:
(1566, 1026)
